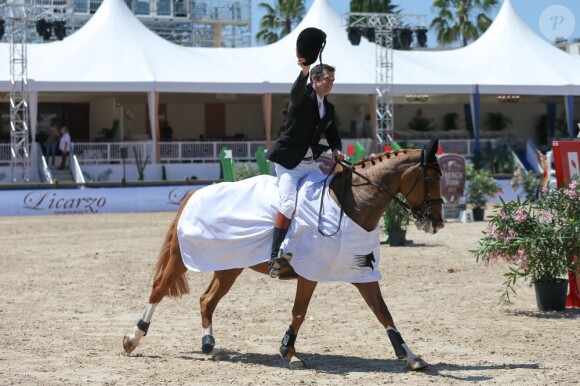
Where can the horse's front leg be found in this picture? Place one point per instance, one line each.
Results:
(371, 293)
(304, 290)
(221, 283)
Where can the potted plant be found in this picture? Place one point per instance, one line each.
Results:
(482, 186)
(539, 241)
(395, 220)
(528, 182)
(419, 122)
(498, 158)
(450, 121)
(496, 121)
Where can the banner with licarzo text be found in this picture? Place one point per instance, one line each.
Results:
(38, 202)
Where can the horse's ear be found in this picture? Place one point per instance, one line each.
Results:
(431, 150)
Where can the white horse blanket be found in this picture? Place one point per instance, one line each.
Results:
(230, 225)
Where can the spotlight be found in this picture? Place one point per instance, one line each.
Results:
(47, 32)
(406, 37)
(59, 29)
(44, 29)
(1, 28)
(40, 27)
(370, 34)
(421, 37)
(354, 35)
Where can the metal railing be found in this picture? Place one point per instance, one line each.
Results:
(76, 170)
(176, 152)
(112, 152)
(5, 154)
(43, 169)
(465, 147)
(88, 153)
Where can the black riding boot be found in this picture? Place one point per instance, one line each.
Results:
(279, 236)
(277, 261)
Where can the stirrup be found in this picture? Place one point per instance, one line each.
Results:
(282, 260)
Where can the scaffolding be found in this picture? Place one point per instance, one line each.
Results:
(15, 15)
(222, 23)
(380, 28)
(192, 23)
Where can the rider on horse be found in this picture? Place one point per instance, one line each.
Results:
(310, 115)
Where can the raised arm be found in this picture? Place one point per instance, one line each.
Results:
(297, 92)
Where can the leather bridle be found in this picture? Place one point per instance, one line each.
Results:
(421, 212)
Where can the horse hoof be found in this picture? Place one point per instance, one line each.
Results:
(274, 273)
(217, 354)
(417, 364)
(128, 345)
(296, 363)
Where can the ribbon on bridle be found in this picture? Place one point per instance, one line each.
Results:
(420, 212)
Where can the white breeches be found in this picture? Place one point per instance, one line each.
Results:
(288, 180)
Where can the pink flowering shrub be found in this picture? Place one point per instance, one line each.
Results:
(538, 241)
(482, 186)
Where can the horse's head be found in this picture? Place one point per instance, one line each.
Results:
(420, 185)
(365, 189)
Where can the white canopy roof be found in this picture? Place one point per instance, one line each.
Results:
(508, 58)
(115, 52)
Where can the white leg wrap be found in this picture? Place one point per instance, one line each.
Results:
(207, 331)
(148, 313)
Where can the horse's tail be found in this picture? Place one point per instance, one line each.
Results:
(170, 256)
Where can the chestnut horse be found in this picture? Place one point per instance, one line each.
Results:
(363, 191)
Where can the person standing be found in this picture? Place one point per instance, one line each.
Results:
(52, 143)
(310, 115)
(166, 132)
(64, 146)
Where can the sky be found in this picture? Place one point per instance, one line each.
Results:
(548, 18)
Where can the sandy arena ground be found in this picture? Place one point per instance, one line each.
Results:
(71, 287)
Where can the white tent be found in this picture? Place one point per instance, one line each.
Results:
(509, 58)
(355, 65)
(115, 52)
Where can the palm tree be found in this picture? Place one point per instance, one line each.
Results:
(461, 20)
(378, 6)
(279, 19)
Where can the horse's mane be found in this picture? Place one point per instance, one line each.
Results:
(373, 167)
(387, 154)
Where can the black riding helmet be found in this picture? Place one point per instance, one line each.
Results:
(310, 43)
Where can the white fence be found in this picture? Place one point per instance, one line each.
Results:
(170, 152)
(91, 153)
(88, 153)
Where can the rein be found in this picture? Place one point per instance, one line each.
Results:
(418, 212)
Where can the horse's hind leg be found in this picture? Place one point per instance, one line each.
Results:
(371, 293)
(304, 290)
(219, 286)
(168, 279)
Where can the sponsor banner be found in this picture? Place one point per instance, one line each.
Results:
(38, 202)
(453, 179)
(566, 161)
